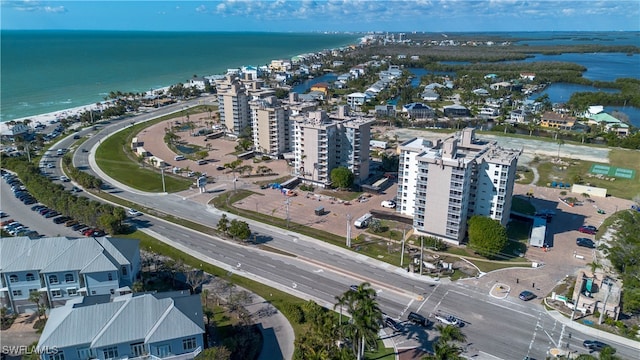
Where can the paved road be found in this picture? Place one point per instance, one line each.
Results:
(320, 272)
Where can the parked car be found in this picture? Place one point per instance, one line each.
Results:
(61, 219)
(595, 345)
(3, 214)
(527, 295)
(76, 189)
(51, 214)
(388, 204)
(70, 223)
(588, 229)
(64, 178)
(584, 242)
(418, 319)
(353, 287)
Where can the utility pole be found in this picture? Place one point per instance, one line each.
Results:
(348, 230)
(163, 185)
(404, 230)
(421, 253)
(287, 202)
(604, 307)
(573, 312)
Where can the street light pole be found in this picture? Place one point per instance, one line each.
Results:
(287, 202)
(163, 185)
(421, 253)
(348, 230)
(402, 251)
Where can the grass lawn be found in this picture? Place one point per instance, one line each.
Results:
(524, 177)
(112, 158)
(381, 353)
(622, 188)
(518, 230)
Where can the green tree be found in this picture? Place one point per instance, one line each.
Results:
(36, 298)
(215, 353)
(366, 318)
(239, 229)
(342, 178)
(223, 224)
(487, 237)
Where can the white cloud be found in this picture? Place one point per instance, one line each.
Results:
(201, 9)
(54, 9)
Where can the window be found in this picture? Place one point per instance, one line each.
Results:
(93, 292)
(137, 349)
(84, 353)
(124, 271)
(109, 276)
(57, 356)
(110, 352)
(112, 291)
(53, 279)
(13, 278)
(190, 343)
(17, 292)
(30, 277)
(56, 293)
(72, 292)
(68, 277)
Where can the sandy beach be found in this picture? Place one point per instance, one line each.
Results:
(46, 119)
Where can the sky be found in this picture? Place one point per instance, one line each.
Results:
(323, 15)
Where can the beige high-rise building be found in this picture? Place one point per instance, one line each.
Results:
(233, 104)
(442, 184)
(270, 126)
(322, 143)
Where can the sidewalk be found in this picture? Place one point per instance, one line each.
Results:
(556, 315)
(276, 330)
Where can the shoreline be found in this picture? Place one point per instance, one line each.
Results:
(46, 118)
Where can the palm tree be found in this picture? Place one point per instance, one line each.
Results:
(366, 317)
(444, 351)
(560, 142)
(451, 333)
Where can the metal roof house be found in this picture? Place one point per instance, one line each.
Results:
(134, 326)
(62, 268)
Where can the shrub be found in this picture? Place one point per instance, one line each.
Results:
(294, 313)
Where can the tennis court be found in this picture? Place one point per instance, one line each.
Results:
(613, 171)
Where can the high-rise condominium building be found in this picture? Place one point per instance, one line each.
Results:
(442, 184)
(233, 104)
(270, 126)
(322, 144)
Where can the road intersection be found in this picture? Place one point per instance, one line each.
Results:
(496, 328)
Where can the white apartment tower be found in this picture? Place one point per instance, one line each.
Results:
(442, 185)
(270, 126)
(322, 144)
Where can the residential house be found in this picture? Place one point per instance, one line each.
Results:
(520, 116)
(610, 123)
(430, 95)
(456, 111)
(133, 326)
(198, 82)
(554, 120)
(385, 110)
(418, 111)
(528, 76)
(322, 87)
(357, 99)
(481, 92)
(62, 268)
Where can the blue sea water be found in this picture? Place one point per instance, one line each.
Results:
(47, 71)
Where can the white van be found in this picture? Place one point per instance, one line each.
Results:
(363, 221)
(178, 158)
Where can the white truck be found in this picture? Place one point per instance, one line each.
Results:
(448, 319)
(363, 221)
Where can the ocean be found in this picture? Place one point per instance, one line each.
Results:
(48, 71)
